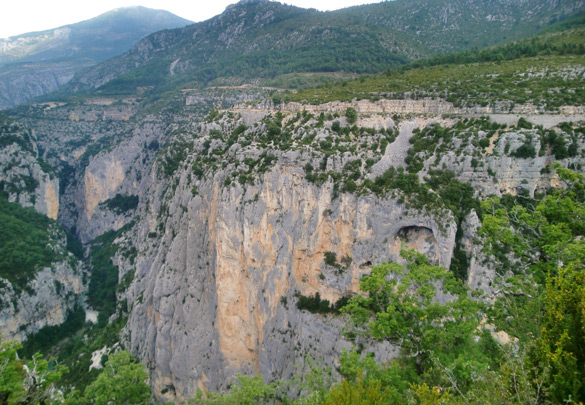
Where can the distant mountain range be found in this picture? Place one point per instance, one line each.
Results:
(36, 63)
(261, 38)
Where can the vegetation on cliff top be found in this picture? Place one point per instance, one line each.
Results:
(545, 71)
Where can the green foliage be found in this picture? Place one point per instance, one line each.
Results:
(121, 204)
(441, 190)
(481, 77)
(246, 391)
(76, 350)
(74, 245)
(330, 258)
(122, 381)
(40, 378)
(48, 336)
(317, 305)
(104, 274)
(27, 382)
(560, 347)
(351, 115)
(26, 243)
(524, 124)
(11, 373)
(538, 233)
(401, 304)
(541, 241)
(360, 393)
(526, 151)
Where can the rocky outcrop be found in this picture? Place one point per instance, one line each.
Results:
(23, 176)
(433, 106)
(46, 302)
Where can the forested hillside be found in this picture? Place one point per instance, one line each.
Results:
(255, 39)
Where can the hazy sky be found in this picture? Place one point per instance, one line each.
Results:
(21, 16)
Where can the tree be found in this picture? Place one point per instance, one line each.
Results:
(425, 311)
(27, 382)
(351, 115)
(543, 241)
(40, 378)
(249, 390)
(123, 381)
(11, 373)
(561, 346)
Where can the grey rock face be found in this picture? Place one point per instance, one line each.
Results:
(214, 291)
(221, 259)
(220, 266)
(22, 82)
(53, 292)
(23, 177)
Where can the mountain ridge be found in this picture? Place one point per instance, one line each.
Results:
(110, 28)
(264, 39)
(37, 63)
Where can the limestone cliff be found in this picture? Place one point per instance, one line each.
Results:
(23, 176)
(236, 256)
(239, 214)
(227, 244)
(46, 302)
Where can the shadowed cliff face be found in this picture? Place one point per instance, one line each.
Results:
(23, 176)
(50, 288)
(50, 296)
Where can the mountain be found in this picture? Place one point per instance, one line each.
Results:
(264, 39)
(38, 63)
(98, 39)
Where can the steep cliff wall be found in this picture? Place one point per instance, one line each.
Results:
(23, 176)
(240, 214)
(215, 292)
(234, 228)
(46, 302)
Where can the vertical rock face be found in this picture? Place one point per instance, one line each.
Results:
(222, 264)
(222, 259)
(46, 301)
(54, 289)
(23, 176)
(216, 295)
(120, 169)
(100, 183)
